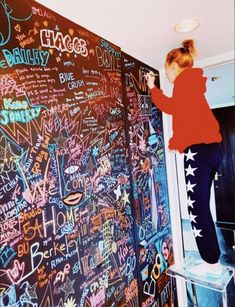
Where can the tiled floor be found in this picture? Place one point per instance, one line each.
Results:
(206, 297)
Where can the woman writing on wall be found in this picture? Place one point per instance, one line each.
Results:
(196, 134)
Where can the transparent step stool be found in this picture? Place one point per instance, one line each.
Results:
(216, 284)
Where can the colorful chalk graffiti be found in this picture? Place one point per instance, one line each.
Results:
(66, 227)
(67, 220)
(154, 250)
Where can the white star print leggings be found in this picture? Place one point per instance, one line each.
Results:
(201, 161)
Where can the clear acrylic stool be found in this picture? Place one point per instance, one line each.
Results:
(216, 284)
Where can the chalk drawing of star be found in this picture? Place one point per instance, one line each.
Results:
(142, 145)
(190, 202)
(32, 291)
(196, 232)
(190, 155)
(192, 217)
(190, 186)
(68, 287)
(190, 170)
(95, 151)
(126, 197)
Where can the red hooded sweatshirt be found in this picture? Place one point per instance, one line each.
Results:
(192, 120)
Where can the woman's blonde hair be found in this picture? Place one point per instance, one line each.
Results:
(183, 56)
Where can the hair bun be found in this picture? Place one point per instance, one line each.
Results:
(189, 45)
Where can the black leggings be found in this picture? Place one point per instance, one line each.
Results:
(201, 161)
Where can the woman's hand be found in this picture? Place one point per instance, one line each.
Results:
(150, 77)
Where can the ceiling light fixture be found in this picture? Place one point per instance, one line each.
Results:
(187, 25)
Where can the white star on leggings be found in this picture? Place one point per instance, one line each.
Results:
(190, 155)
(196, 232)
(192, 218)
(190, 186)
(190, 170)
(190, 202)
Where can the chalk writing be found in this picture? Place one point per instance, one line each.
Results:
(70, 216)
(19, 56)
(8, 14)
(63, 43)
(149, 185)
(65, 217)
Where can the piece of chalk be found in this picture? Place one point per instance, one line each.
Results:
(152, 75)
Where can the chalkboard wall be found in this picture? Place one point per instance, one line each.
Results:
(75, 230)
(154, 249)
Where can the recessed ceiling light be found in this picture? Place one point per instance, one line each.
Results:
(187, 25)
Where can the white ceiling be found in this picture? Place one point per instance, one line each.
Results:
(144, 29)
